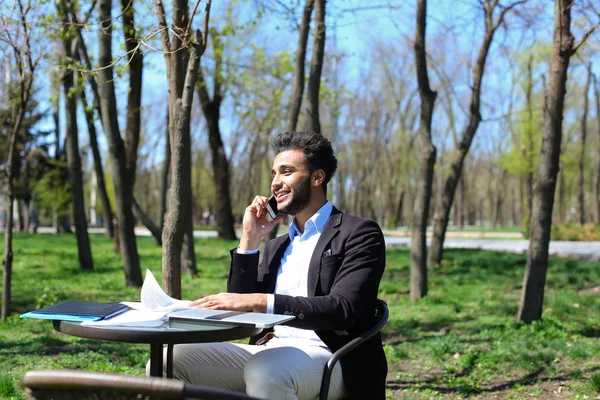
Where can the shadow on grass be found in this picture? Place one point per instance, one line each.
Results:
(49, 346)
(532, 378)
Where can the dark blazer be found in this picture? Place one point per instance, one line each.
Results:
(343, 281)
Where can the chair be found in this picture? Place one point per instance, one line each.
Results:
(382, 312)
(83, 385)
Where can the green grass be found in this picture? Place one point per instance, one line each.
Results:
(460, 341)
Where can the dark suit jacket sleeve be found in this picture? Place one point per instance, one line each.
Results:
(355, 286)
(243, 274)
(356, 264)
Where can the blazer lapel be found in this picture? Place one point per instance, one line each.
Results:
(330, 231)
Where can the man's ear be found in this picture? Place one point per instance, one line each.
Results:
(318, 177)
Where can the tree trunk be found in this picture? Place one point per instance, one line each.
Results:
(25, 85)
(156, 231)
(582, 151)
(399, 209)
(562, 207)
(221, 174)
(164, 179)
(8, 227)
(188, 256)
(21, 224)
(298, 88)
(316, 66)
(529, 133)
(98, 168)
(26, 215)
(532, 296)
(427, 154)
(122, 156)
(461, 204)
(182, 73)
(596, 189)
(74, 160)
(443, 208)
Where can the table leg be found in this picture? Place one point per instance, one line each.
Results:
(156, 359)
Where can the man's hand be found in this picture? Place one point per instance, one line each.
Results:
(256, 302)
(255, 223)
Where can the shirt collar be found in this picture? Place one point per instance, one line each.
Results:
(314, 225)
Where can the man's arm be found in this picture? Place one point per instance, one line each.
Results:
(247, 297)
(354, 288)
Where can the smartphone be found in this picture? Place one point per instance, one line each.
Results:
(272, 207)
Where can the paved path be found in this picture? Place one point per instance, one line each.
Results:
(578, 250)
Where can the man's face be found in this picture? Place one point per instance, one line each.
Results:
(291, 182)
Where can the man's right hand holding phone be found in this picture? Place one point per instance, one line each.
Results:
(255, 224)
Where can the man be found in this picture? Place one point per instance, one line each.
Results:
(325, 272)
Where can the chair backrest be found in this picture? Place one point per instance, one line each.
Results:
(82, 385)
(382, 314)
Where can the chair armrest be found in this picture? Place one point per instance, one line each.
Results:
(351, 345)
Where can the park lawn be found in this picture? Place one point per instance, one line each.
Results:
(461, 341)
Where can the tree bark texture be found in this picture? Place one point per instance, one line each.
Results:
(532, 296)
(528, 150)
(582, 152)
(123, 156)
(596, 189)
(316, 67)
(74, 161)
(427, 155)
(155, 230)
(182, 72)
(299, 75)
(8, 227)
(443, 207)
(26, 70)
(164, 178)
(98, 168)
(221, 174)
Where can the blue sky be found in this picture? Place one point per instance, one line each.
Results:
(454, 25)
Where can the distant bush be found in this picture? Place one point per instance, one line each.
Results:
(586, 233)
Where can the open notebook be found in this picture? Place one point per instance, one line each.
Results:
(78, 311)
(236, 318)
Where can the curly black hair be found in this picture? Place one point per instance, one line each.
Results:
(317, 150)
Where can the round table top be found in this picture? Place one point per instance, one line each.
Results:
(170, 332)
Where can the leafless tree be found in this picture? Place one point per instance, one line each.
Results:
(80, 54)
(583, 150)
(72, 144)
(442, 210)
(182, 73)
(418, 246)
(211, 107)
(532, 296)
(596, 188)
(123, 153)
(316, 67)
(19, 41)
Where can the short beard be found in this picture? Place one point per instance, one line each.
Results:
(300, 200)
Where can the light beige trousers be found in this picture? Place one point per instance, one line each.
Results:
(276, 370)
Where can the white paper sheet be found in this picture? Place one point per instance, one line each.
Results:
(151, 311)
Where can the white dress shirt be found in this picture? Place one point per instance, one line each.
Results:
(292, 275)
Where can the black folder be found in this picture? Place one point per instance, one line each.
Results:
(78, 311)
